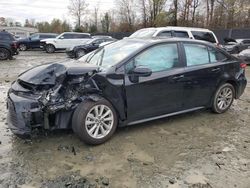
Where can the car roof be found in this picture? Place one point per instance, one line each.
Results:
(159, 40)
(75, 33)
(178, 28)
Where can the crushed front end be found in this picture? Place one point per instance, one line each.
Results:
(46, 96)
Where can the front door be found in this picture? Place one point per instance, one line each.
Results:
(159, 93)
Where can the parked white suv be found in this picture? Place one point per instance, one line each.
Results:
(64, 40)
(181, 32)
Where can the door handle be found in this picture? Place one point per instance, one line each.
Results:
(178, 77)
(216, 69)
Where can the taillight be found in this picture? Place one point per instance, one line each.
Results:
(243, 65)
(14, 45)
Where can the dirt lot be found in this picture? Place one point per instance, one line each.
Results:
(199, 149)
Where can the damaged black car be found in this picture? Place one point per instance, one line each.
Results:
(127, 82)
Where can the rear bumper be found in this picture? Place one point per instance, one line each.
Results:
(23, 114)
(241, 85)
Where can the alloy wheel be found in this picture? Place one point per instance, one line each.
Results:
(99, 121)
(3, 55)
(224, 98)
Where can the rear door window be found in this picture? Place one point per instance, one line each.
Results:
(196, 54)
(165, 34)
(206, 36)
(81, 36)
(181, 34)
(68, 36)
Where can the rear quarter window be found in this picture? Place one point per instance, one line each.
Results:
(217, 56)
(206, 36)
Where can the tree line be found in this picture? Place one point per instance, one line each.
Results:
(130, 15)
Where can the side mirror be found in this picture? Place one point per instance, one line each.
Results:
(142, 71)
(62, 37)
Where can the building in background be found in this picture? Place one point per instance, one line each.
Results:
(21, 32)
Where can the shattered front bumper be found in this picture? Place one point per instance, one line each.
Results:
(23, 114)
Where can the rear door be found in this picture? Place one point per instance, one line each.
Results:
(160, 93)
(204, 69)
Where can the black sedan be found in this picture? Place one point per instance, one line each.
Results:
(33, 41)
(124, 83)
(81, 50)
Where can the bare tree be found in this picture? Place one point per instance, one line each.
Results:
(144, 12)
(175, 12)
(127, 12)
(195, 5)
(77, 10)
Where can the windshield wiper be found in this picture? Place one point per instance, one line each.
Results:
(101, 57)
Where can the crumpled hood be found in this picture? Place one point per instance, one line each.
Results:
(48, 74)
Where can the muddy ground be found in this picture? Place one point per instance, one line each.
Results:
(199, 149)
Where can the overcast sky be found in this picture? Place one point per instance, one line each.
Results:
(45, 10)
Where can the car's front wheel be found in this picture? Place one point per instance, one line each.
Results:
(94, 122)
(223, 98)
(4, 54)
(50, 48)
(80, 53)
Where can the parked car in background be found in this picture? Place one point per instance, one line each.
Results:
(93, 44)
(8, 46)
(180, 32)
(34, 40)
(64, 41)
(245, 55)
(124, 83)
(235, 46)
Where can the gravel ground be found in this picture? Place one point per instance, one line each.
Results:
(199, 149)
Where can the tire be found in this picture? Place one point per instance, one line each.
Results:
(223, 98)
(4, 54)
(86, 113)
(50, 48)
(23, 47)
(80, 53)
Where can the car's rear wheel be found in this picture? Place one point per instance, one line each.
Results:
(80, 53)
(23, 47)
(4, 54)
(223, 98)
(50, 48)
(94, 122)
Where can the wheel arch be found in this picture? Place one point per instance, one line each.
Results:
(97, 97)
